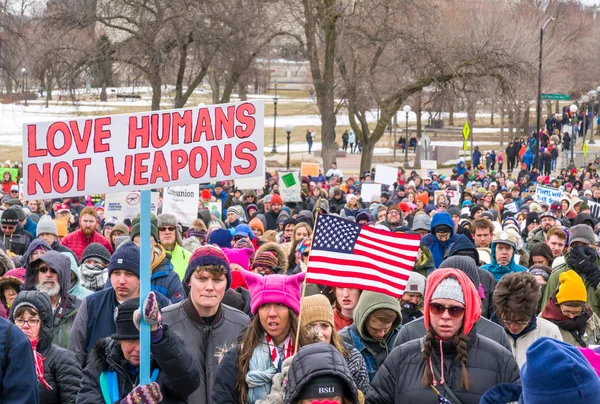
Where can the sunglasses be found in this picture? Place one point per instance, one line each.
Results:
(306, 253)
(44, 269)
(167, 228)
(5, 227)
(16, 192)
(454, 311)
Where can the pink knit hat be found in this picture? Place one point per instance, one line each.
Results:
(282, 289)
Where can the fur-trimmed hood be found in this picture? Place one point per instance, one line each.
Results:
(6, 263)
(282, 260)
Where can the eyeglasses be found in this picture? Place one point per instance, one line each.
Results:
(571, 313)
(32, 322)
(454, 311)
(5, 227)
(442, 206)
(44, 269)
(14, 191)
(166, 228)
(519, 322)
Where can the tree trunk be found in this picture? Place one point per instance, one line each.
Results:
(243, 89)
(156, 85)
(502, 125)
(557, 108)
(451, 113)
(215, 86)
(471, 112)
(518, 120)
(49, 87)
(492, 108)
(9, 84)
(548, 107)
(511, 123)
(366, 158)
(419, 112)
(526, 120)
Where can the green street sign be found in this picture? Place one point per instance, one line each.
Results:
(556, 97)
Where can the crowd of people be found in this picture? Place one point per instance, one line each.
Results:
(502, 304)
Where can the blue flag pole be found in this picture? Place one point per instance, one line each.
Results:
(145, 213)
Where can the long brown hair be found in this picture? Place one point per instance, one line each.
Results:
(462, 352)
(252, 338)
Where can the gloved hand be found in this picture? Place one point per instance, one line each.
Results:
(144, 394)
(152, 314)
(583, 260)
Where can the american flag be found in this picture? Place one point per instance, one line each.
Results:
(347, 255)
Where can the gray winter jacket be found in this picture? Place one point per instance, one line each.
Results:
(399, 378)
(416, 329)
(205, 342)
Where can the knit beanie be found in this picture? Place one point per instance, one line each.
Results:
(582, 233)
(423, 197)
(421, 222)
(475, 209)
(453, 210)
(532, 218)
(239, 258)
(276, 198)
(136, 227)
(556, 373)
(126, 257)
(541, 270)
(46, 226)
(281, 289)
(465, 264)
(316, 308)
(468, 293)
(236, 210)
(207, 255)
(96, 250)
(449, 288)
(121, 227)
(221, 238)
(10, 217)
(416, 283)
(265, 259)
(125, 328)
(571, 288)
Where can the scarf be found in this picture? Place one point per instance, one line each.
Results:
(39, 364)
(93, 277)
(266, 361)
(576, 326)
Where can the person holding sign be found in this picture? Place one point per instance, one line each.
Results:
(113, 371)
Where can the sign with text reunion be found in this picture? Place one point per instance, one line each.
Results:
(144, 150)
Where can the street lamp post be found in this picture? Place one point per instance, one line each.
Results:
(593, 94)
(275, 98)
(406, 110)
(538, 112)
(585, 101)
(573, 108)
(24, 71)
(288, 129)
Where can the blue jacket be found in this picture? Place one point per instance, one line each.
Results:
(430, 241)
(476, 158)
(499, 270)
(460, 168)
(18, 382)
(30, 226)
(165, 281)
(528, 157)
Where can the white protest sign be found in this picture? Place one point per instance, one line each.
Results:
(547, 195)
(454, 197)
(215, 208)
(290, 186)
(567, 129)
(182, 201)
(386, 175)
(511, 207)
(370, 192)
(143, 150)
(250, 183)
(437, 195)
(427, 165)
(594, 209)
(126, 205)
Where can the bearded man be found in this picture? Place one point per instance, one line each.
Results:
(51, 274)
(86, 234)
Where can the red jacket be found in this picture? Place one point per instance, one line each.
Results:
(77, 242)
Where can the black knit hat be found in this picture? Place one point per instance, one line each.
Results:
(125, 327)
(10, 217)
(532, 217)
(126, 257)
(96, 250)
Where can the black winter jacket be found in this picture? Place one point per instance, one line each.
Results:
(399, 378)
(61, 370)
(178, 377)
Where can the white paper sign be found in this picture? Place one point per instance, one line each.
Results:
(511, 207)
(370, 192)
(250, 183)
(429, 164)
(594, 209)
(215, 208)
(182, 202)
(386, 175)
(290, 187)
(126, 205)
(146, 150)
(454, 197)
(547, 195)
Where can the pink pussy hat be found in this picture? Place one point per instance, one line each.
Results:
(267, 289)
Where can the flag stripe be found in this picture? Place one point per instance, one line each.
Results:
(357, 261)
(393, 238)
(392, 255)
(368, 273)
(381, 257)
(405, 244)
(357, 283)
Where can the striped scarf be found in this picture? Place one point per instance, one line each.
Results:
(39, 364)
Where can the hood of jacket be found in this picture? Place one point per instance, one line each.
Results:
(367, 304)
(440, 219)
(6, 263)
(282, 260)
(500, 270)
(463, 245)
(58, 262)
(38, 242)
(41, 302)
(314, 361)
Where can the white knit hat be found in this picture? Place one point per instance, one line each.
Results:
(449, 288)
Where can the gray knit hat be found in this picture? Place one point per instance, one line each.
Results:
(96, 250)
(416, 283)
(421, 222)
(449, 288)
(169, 219)
(582, 233)
(46, 226)
(465, 264)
